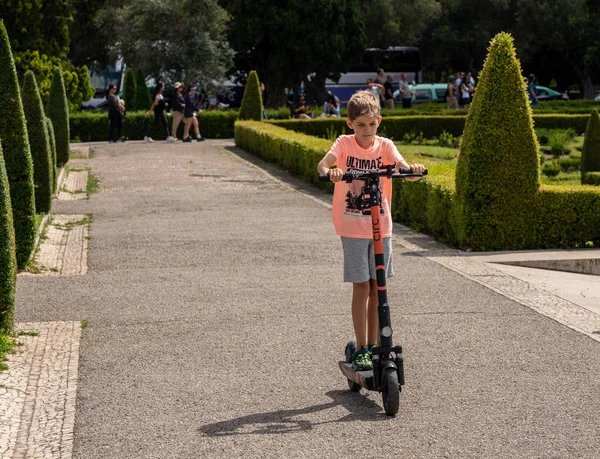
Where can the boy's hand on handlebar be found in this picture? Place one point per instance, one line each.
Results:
(416, 169)
(335, 175)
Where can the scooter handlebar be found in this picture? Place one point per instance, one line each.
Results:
(360, 175)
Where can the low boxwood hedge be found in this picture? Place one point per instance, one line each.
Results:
(93, 126)
(394, 127)
(561, 215)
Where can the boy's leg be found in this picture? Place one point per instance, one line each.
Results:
(373, 314)
(360, 295)
(186, 127)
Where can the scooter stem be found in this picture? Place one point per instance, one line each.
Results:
(385, 326)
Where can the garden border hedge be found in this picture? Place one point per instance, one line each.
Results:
(431, 126)
(565, 216)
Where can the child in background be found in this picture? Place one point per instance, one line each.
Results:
(364, 150)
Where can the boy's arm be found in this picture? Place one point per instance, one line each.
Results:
(324, 167)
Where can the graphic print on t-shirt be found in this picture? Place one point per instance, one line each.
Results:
(358, 198)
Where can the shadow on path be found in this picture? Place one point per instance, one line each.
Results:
(281, 422)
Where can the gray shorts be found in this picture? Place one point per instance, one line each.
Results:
(359, 259)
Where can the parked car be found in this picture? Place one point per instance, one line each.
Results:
(426, 93)
(545, 93)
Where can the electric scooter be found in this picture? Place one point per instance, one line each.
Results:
(387, 375)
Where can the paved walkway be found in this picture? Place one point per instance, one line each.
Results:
(217, 315)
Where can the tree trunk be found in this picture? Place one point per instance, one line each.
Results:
(586, 86)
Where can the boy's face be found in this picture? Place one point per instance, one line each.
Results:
(365, 128)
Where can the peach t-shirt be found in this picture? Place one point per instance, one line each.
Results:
(351, 212)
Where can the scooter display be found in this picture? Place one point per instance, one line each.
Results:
(387, 375)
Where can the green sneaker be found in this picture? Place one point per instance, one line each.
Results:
(362, 360)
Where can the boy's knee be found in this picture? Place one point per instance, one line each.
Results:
(362, 287)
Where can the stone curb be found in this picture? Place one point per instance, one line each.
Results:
(38, 394)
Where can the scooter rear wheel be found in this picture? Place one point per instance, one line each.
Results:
(350, 348)
(390, 392)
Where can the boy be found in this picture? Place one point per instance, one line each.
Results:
(363, 150)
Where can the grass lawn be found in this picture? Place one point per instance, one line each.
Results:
(441, 161)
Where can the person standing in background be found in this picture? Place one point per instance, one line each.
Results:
(532, 91)
(451, 100)
(405, 92)
(116, 113)
(389, 92)
(264, 101)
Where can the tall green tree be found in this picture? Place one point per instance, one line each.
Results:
(39, 144)
(17, 156)
(8, 262)
(565, 31)
(89, 36)
(497, 175)
(397, 22)
(288, 41)
(172, 39)
(58, 111)
(41, 25)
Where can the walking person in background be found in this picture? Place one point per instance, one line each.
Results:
(158, 106)
(177, 108)
(116, 113)
(532, 91)
(190, 116)
(405, 92)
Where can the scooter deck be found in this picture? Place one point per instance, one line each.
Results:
(364, 378)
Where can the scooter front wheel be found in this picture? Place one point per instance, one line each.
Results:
(390, 392)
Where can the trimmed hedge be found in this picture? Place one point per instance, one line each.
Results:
(93, 126)
(251, 108)
(52, 143)
(560, 216)
(39, 144)
(590, 154)
(431, 126)
(129, 90)
(497, 173)
(58, 111)
(17, 156)
(142, 99)
(298, 153)
(8, 261)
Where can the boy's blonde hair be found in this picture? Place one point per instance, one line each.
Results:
(363, 103)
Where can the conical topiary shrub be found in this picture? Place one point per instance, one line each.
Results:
(52, 143)
(37, 130)
(590, 155)
(497, 174)
(17, 157)
(143, 100)
(251, 108)
(58, 111)
(8, 271)
(129, 90)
